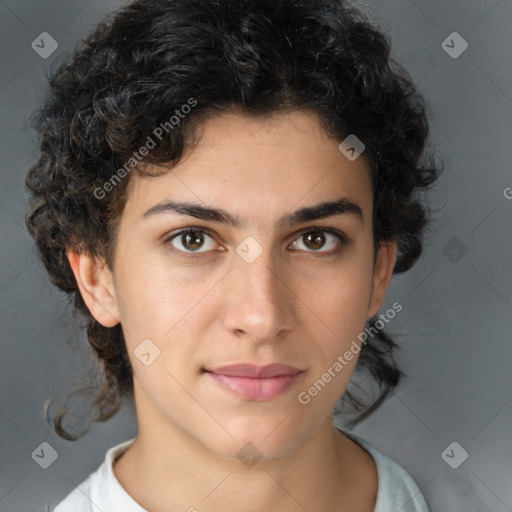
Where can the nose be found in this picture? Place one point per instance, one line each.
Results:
(260, 300)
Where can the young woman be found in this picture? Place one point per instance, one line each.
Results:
(225, 189)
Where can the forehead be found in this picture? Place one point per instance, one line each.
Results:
(257, 166)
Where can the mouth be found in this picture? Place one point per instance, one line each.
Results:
(257, 383)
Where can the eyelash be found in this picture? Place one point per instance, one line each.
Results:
(342, 238)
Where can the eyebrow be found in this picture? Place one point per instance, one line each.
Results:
(322, 210)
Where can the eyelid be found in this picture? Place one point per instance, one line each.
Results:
(342, 238)
(189, 229)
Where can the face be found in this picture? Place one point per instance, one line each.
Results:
(271, 286)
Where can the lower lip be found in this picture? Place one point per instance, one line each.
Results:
(253, 388)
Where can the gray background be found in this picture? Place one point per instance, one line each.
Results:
(455, 325)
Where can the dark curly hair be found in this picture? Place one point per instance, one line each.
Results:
(146, 60)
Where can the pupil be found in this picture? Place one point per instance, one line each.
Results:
(193, 239)
(317, 240)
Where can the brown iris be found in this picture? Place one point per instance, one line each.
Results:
(194, 238)
(314, 240)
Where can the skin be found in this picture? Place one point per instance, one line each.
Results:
(292, 304)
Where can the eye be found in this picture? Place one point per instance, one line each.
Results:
(190, 240)
(314, 239)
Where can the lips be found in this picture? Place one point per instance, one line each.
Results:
(251, 370)
(253, 382)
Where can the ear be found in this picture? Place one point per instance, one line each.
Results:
(95, 282)
(383, 272)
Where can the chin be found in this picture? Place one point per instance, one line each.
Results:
(255, 441)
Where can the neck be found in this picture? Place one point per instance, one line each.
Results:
(167, 469)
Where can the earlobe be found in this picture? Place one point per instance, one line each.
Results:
(95, 282)
(383, 273)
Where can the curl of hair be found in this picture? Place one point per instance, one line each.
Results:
(147, 59)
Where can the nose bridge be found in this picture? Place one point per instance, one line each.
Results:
(260, 305)
(261, 277)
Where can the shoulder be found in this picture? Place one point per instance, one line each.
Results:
(397, 490)
(99, 489)
(78, 500)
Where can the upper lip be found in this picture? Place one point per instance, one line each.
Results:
(252, 370)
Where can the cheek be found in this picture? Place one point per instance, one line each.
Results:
(340, 306)
(152, 295)
(172, 317)
(340, 297)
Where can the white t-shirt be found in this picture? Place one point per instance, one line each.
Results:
(102, 492)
